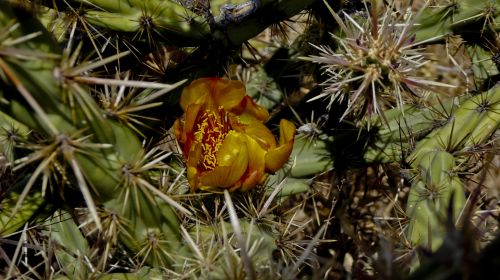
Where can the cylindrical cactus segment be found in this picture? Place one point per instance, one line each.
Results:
(11, 222)
(437, 184)
(401, 128)
(176, 23)
(460, 16)
(490, 120)
(102, 165)
(476, 111)
(167, 18)
(436, 187)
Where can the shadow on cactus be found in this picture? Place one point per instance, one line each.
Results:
(95, 183)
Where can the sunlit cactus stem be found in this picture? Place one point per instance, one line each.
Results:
(145, 139)
(438, 188)
(98, 169)
(459, 17)
(168, 21)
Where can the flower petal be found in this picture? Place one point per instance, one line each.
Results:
(194, 155)
(192, 176)
(257, 131)
(195, 93)
(248, 111)
(212, 93)
(227, 93)
(277, 157)
(232, 162)
(256, 165)
(192, 112)
(178, 129)
(184, 129)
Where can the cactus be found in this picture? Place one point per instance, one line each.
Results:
(95, 185)
(89, 175)
(459, 17)
(97, 169)
(432, 135)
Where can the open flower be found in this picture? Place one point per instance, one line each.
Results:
(223, 138)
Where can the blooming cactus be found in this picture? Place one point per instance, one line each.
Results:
(223, 138)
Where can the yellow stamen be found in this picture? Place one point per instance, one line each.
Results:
(211, 129)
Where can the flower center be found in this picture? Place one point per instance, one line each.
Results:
(211, 129)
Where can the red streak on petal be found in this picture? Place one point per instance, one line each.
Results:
(211, 130)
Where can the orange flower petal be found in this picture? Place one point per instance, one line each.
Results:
(179, 131)
(192, 175)
(287, 132)
(260, 133)
(277, 157)
(213, 92)
(195, 93)
(189, 119)
(256, 130)
(249, 111)
(232, 162)
(256, 164)
(227, 93)
(186, 134)
(194, 155)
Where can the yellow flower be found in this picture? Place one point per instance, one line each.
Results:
(223, 138)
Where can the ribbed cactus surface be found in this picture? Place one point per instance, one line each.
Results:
(259, 139)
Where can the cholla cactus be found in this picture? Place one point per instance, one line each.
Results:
(375, 64)
(85, 155)
(376, 70)
(107, 151)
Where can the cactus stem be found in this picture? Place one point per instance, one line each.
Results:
(28, 97)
